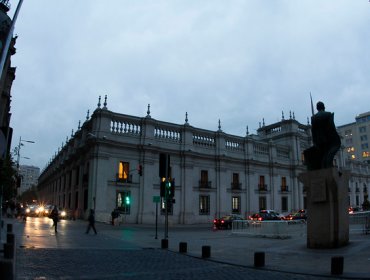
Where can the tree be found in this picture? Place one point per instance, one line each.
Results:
(8, 175)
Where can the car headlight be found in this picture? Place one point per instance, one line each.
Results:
(28, 210)
(63, 213)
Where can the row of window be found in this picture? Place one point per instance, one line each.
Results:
(123, 204)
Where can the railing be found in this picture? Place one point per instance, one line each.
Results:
(262, 188)
(271, 229)
(125, 127)
(260, 149)
(205, 184)
(236, 185)
(204, 140)
(167, 134)
(234, 145)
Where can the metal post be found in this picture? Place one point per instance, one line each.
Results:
(156, 220)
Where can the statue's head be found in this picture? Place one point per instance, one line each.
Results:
(320, 106)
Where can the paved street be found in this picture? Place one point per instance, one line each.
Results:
(132, 252)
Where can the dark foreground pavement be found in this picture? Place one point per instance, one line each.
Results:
(132, 252)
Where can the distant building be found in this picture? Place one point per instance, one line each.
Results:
(356, 138)
(29, 175)
(215, 173)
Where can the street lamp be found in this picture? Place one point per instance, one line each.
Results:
(18, 151)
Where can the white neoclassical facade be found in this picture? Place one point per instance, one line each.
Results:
(215, 173)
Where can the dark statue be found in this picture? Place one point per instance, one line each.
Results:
(326, 141)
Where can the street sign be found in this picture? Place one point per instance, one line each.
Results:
(156, 199)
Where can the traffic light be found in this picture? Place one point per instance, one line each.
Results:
(168, 189)
(163, 188)
(140, 169)
(127, 200)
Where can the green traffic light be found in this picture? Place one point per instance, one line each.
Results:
(127, 200)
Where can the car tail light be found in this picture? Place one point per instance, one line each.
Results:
(260, 219)
(214, 221)
(222, 222)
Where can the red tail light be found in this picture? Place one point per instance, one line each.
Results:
(214, 221)
(260, 219)
(222, 221)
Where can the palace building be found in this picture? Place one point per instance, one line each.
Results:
(112, 161)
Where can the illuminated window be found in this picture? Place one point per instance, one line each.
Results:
(353, 157)
(235, 204)
(365, 154)
(123, 171)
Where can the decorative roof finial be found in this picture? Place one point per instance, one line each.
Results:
(247, 131)
(290, 115)
(79, 124)
(72, 133)
(308, 121)
(105, 102)
(186, 118)
(99, 104)
(88, 115)
(282, 115)
(148, 111)
(293, 116)
(263, 121)
(219, 125)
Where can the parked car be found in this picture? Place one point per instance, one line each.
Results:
(299, 215)
(264, 216)
(226, 221)
(273, 212)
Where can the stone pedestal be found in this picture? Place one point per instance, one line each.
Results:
(327, 208)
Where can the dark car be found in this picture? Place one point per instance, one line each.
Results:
(226, 222)
(264, 216)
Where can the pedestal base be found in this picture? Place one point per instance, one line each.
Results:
(327, 208)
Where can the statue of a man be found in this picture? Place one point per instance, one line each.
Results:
(326, 141)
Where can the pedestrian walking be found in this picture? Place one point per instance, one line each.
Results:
(91, 220)
(54, 215)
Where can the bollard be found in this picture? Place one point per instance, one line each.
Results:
(9, 228)
(9, 251)
(337, 265)
(206, 252)
(183, 247)
(10, 238)
(259, 259)
(7, 269)
(164, 243)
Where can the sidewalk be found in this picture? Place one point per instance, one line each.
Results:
(287, 255)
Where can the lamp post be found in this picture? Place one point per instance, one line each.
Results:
(19, 149)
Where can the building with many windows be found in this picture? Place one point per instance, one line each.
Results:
(29, 177)
(113, 161)
(356, 138)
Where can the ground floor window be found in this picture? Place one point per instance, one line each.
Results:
(235, 201)
(124, 202)
(204, 205)
(262, 203)
(284, 204)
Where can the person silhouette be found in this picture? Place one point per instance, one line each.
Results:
(91, 220)
(55, 217)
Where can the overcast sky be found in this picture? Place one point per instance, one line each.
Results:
(238, 61)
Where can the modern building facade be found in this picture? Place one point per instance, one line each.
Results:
(356, 138)
(29, 177)
(215, 173)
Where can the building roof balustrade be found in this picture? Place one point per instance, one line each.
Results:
(167, 134)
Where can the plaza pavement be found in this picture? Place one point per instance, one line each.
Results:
(133, 252)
